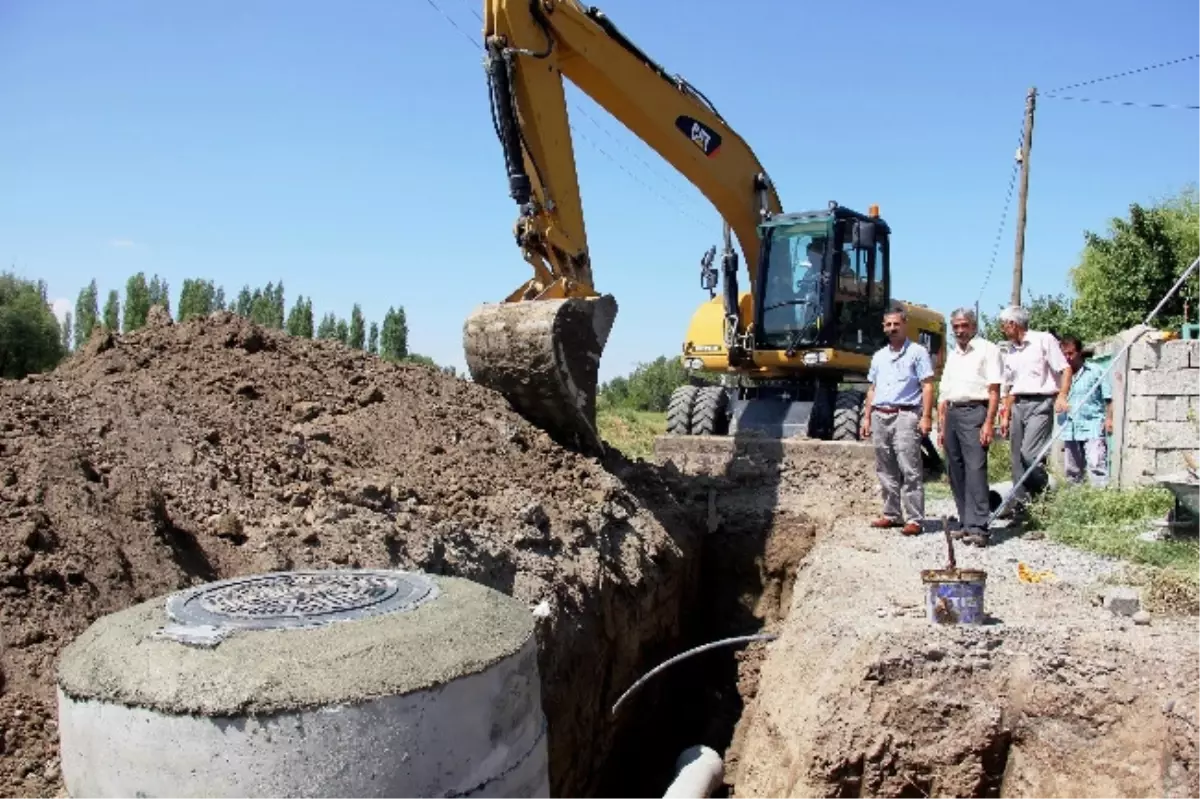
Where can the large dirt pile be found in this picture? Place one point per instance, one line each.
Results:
(185, 453)
(861, 696)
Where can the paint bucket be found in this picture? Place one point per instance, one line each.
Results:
(954, 596)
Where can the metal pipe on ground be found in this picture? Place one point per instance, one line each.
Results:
(1095, 387)
(698, 772)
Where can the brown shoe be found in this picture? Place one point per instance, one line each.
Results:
(884, 522)
(912, 528)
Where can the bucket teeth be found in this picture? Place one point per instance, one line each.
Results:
(544, 357)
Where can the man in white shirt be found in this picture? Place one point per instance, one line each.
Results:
(968, 398)
(1037, 382)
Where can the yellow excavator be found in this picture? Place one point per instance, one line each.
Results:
(791, 352)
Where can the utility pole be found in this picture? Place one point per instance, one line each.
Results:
(1023, 196)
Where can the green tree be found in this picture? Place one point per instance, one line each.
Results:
(277, 307)
(1123, 275)
(373, 339)
(300, 318)
(393, 337)
(66, 332)
(1051, 313)
(328, 327)
(197, 298)
(160, 293)
(137, 303)
(343, 331)
(219, 299)
(244, 303)
(30, 337)
(87, 313)
(112, 311)
(358, 332)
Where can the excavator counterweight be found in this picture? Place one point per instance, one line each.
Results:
(544, 356)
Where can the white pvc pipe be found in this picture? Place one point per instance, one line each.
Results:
(698, 772)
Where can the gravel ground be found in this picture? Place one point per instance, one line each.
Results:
(1054, 696)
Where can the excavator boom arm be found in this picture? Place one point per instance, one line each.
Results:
(541, 346)
(531, 46)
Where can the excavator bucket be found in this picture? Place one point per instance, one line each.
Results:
(544, 356)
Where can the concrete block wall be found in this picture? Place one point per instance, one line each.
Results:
(1156, 405)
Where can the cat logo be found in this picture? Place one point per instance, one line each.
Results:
(704, 137)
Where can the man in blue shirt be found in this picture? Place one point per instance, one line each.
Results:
(1089, 420)
(897, 415)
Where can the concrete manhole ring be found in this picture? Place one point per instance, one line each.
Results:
(300, 598)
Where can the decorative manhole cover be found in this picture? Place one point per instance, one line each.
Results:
(298, 599)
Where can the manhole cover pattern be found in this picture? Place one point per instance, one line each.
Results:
(294, 599)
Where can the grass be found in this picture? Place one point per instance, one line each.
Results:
(631, 431)
(1108, 522)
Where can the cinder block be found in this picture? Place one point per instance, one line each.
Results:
(1123, 600)
(1171, 409)
(1162, 382)
(1137, 466)
(1168, 461)
(1144, 354)
(1178, 353)
(1141, 409)
(1162, 435)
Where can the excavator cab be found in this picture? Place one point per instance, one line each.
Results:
(823, 281)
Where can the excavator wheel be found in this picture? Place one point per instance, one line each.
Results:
(710, 415)
(679, 410)
(847, 415)
(544, 357)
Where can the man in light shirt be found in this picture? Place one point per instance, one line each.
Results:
(897, 415)
(1085, 443)
(1037, 382)
(968, 398)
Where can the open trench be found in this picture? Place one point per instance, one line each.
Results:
(743, 587)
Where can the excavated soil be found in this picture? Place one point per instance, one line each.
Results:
(1054, 696)
(210, 449)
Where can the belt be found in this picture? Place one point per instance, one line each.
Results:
(894, 408)
(1033, 397)
(965, 403)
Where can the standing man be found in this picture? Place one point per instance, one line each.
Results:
(969, 396)
(1084, 443)
(1037, 381)
(897, 414)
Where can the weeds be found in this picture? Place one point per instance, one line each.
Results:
(1108, 522)
(630, 431)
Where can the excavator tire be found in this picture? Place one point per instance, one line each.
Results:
(544, 357)
(679, 410)
(710, 413)
(847, 415)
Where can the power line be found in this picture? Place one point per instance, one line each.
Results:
(447, 17)
(1124, 74)
(1012, 182)
(1128, 103)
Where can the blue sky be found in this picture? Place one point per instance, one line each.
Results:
(347, 148)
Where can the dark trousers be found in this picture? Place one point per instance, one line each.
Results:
(966, 462)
